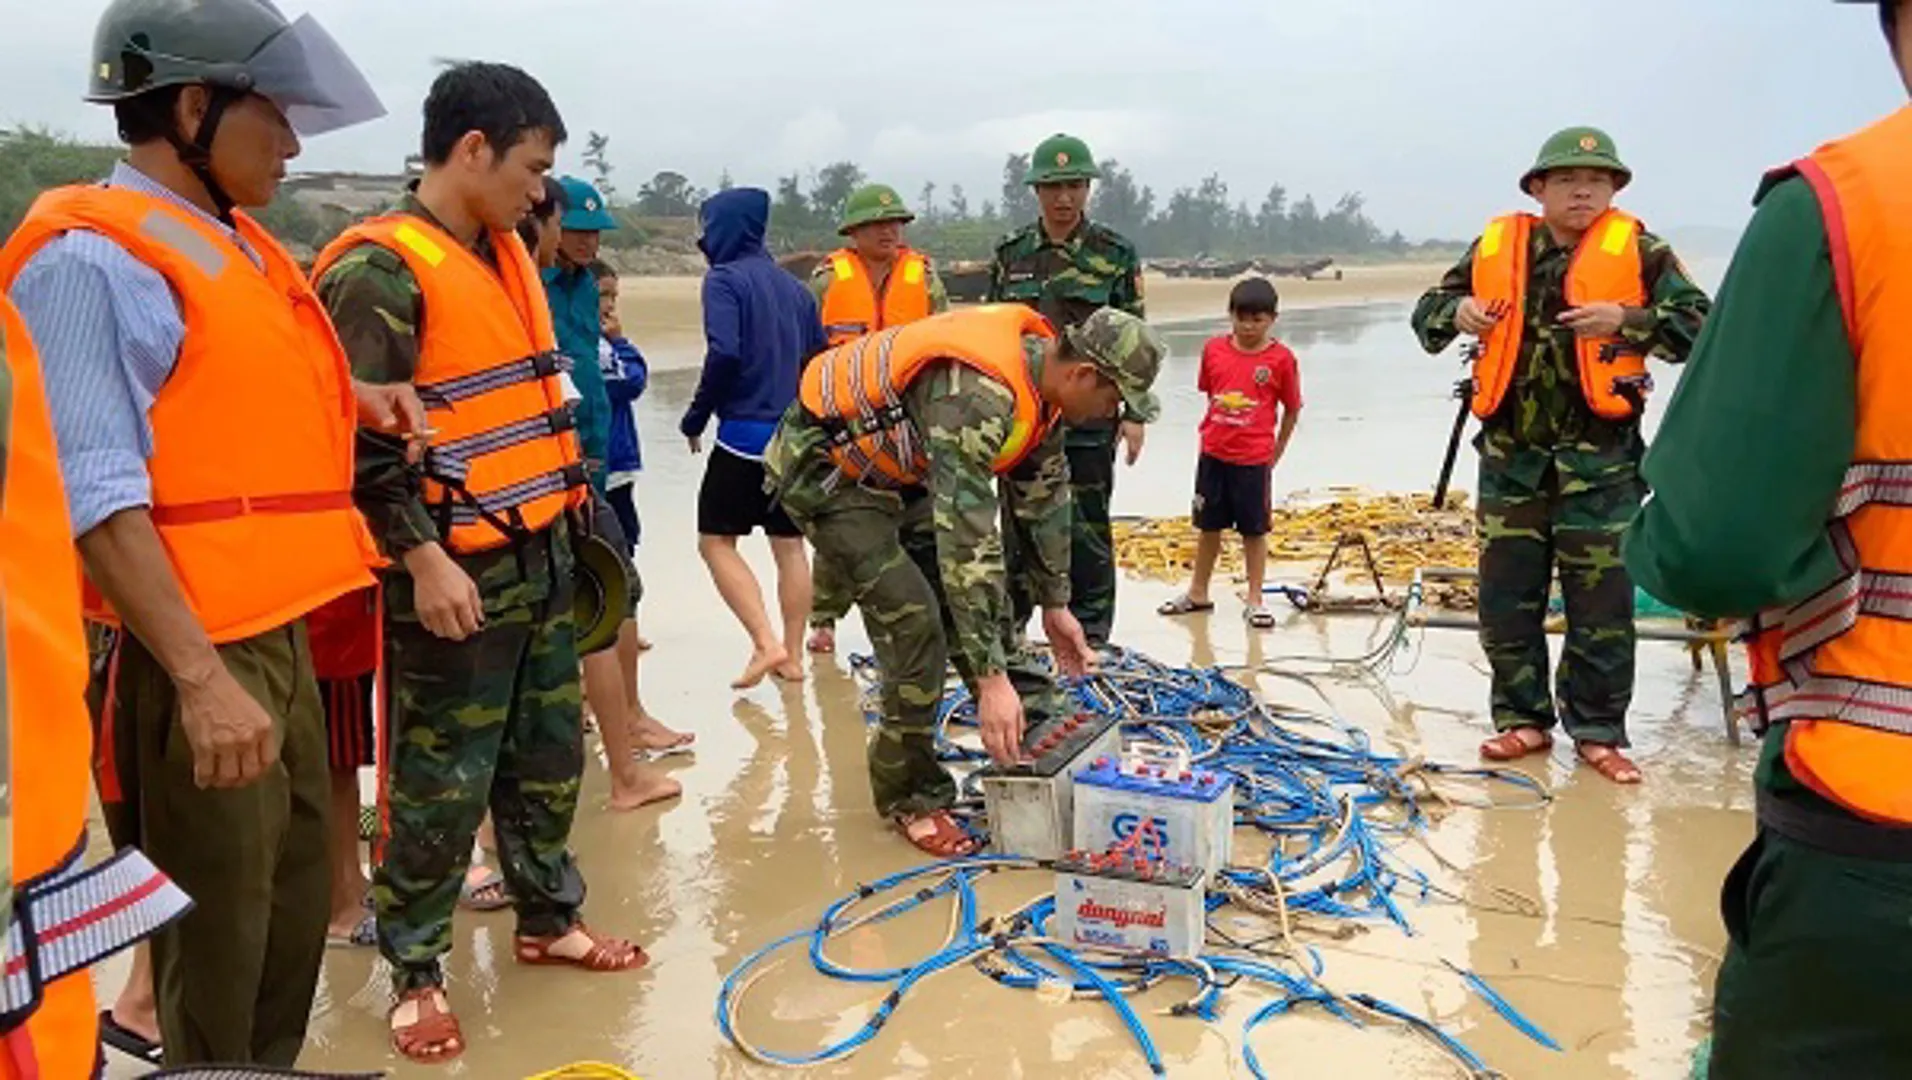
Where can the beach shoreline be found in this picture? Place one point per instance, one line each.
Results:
(663, 315)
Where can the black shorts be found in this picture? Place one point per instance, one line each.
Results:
(733, 502)
(623, 500)
(1229, 496)
(348, 722)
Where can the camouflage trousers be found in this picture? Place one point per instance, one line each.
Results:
(831, 593)
(885, 545)
(1092, 572)
(1525, 535)
(492, 722)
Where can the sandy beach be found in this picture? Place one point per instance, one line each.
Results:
(663, 317)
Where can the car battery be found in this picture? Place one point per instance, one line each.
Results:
(1192, 810)
(1029, 804)
(1130, 905)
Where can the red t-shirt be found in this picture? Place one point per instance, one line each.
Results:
(1243, 389)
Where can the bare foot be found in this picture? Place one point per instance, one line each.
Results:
(643, 644)
(822, 639)
(653, 735)
(791, 671)
(141, 1022)
(762, 662)
(643, 787)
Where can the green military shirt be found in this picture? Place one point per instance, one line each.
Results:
(822, 277)
(965, 418)
(1749, 461)
(1068, 279)
(379, 311)
(1093, 267)
(1545, 421)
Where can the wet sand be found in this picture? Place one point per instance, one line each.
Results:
(776, 822)
(664, 317)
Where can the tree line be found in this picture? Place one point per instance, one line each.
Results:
(1191, 221)
(951, 222)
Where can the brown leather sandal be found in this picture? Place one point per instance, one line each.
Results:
(1613, 765)
(607, 954)
(435, 1036)
(1509, 746)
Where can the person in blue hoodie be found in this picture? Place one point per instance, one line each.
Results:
(760, 325)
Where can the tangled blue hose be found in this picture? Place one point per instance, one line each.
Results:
(1309, 780)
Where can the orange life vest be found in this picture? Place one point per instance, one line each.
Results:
(1839, 664)
(68, 916)
(1605, 270)
(852, 306)
(857, 388)
(252, 432)
(505, 460)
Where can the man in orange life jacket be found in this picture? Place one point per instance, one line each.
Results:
(65, 922)
(963, 407)
(485, 708)
(875, 282)
(1566, 306)
(210, 490)
(1782, 490)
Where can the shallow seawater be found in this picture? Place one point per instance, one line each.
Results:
(1615, 958)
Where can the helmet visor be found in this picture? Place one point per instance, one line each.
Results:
(307, 75)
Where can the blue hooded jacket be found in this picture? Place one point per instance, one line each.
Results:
(760, 325)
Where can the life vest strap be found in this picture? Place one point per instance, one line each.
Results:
(1840, 834)
(470, 509)
(444, 394)
(855, 329)
(555, 422)
(198, 513)
(73, 917)
(1887, 482)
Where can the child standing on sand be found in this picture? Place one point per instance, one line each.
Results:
(1252, 382)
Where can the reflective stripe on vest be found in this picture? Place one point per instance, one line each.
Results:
(77, 916)
(1605, 269)
(260, 530)
(59, 916)
(851, 306)
(1845, 654)
(488, 370)
(857, 388)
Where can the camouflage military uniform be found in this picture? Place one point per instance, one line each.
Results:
(1558, 486)
(492, 721)
(927, 569)
(831, 587)
(1093, 267)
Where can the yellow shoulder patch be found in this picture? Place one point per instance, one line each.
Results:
(420, 244)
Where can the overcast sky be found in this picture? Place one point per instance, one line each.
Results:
(1431, 108)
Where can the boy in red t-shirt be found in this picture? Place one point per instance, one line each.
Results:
(1251, 380)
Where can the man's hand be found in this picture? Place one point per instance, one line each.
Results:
(999, 712)
(1472, 317)
(1595, 320)
(394, 408)
(231, 736)
(696, 443)
(1133, 434)
(444, 594)
(1074, 656)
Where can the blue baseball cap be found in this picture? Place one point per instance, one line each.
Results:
(584, 209)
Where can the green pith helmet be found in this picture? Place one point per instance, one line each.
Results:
(870, 204)
(603, 593)
(1061, 158)
(244, 45)
(1578, 148)
(1127, 351)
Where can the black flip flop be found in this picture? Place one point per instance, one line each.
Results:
(128, 1042)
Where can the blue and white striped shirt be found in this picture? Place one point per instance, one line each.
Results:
(108, 330)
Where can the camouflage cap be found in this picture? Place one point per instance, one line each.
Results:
(1578, 148)
(1126, 350)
